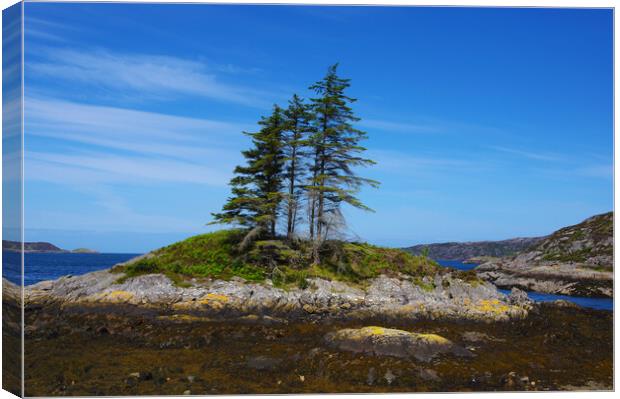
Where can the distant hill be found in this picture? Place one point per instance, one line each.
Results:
(30, 246)
(575, 260)
(590, 242)
(466, 250)
(16, 246)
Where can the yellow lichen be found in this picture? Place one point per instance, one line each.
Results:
(120, 296)
(183, 317)
(214, 297)
(374, 330)
(491, 306)
(438, 339)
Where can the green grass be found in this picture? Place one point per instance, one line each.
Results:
(216, 255)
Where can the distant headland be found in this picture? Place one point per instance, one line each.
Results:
(41, 247)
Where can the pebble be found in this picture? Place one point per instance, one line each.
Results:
(389, 377)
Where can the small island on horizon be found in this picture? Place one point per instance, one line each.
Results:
(41, 247)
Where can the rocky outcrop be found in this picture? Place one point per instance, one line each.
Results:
(380, 341)
(467, 250)
(575, 260)
(442, 297)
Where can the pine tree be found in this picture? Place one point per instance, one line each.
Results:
(256, 188)
(298, 127)
(337, 153)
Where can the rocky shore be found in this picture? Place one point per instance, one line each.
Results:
(94, 335)
(576, 260)
(548, 277)
(443, 296)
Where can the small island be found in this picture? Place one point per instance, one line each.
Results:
(280, 300)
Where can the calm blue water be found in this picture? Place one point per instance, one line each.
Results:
(594, 303)
(48, 266)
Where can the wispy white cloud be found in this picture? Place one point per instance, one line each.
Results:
(126, 146)
(49, 117)
(158, 76)
(538, 156)
(96, 167)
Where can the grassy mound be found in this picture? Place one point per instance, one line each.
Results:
(217, 255)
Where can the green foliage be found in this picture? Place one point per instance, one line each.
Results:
(308, 151)
(359, 261)
(337, 152)
(257, 187)
(216, 255)
(295, 138)
(208, 255)
(425, 252)
(424, 285)
(468, 276)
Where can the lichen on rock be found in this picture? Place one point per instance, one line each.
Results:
(380, 341)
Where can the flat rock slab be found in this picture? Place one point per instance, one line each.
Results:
(380, 341)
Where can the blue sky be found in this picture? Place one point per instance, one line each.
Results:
(486, 123)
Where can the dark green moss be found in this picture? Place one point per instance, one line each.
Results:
(217, 255)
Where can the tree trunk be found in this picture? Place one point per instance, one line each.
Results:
(313, 193)
(291, 191)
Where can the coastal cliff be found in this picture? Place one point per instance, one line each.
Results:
(575, 260)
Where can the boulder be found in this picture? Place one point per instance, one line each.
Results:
(519, 297)
(380, 341)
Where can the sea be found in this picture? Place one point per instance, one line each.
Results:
(48, 266)
(40, 266)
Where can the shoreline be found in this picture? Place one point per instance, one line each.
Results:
(214, 338)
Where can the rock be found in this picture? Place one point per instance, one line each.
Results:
(519, 297)
(474, 336)
(561, 303)
(191, 378)
(443, 296)
(263, 363)
(309, 308)
(381, 341)
(142, 376)
(429, 375)
(187, 392)
(511, 380)
(575, 260)
(389, 377)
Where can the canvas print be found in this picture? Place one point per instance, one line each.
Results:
(205, 199)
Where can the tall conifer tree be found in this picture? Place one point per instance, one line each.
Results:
(298, 127)
(337, 153)
(256, 188)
